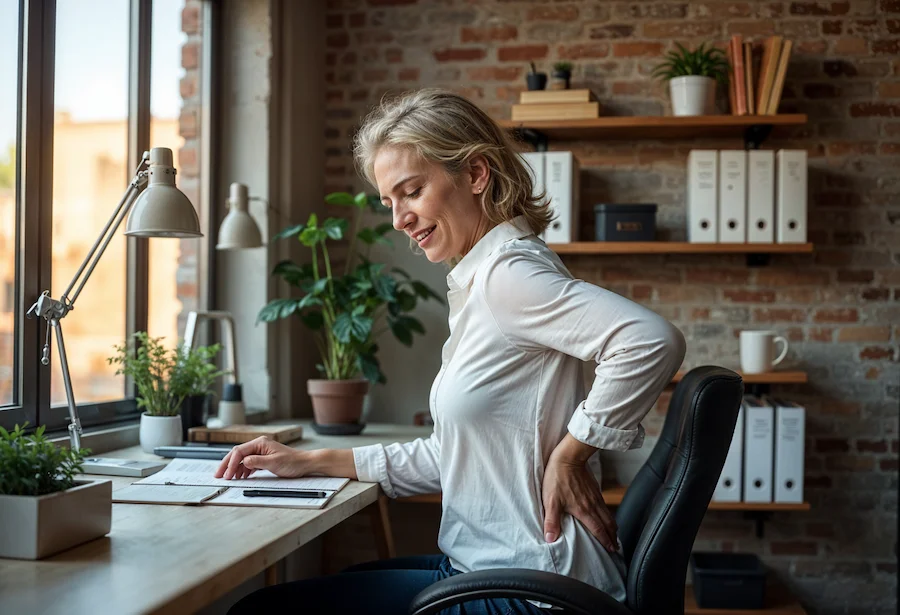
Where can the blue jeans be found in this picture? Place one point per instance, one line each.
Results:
(383, 587)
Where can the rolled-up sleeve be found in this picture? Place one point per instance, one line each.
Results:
(537, 307)
(402, 469)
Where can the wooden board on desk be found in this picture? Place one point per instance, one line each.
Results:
(236, 434)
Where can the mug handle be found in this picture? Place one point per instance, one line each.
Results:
(783, 350)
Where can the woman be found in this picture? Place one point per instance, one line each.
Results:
(513, 431)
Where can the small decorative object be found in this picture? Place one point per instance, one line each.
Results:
(535, 80)
(43, 509)
(625, 221)
(164, 378)
(231, 406)
(692, 77)
(562, 73)
(342, 310)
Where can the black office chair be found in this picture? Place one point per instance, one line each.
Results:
(658, 518)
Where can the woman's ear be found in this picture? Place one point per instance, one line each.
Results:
(479, 173)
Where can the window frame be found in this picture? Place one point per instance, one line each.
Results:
(34, 181)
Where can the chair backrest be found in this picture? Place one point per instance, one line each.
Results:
(663, 507)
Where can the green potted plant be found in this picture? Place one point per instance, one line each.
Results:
(164, 378)
(43, 509)
(692, 77)
(344, 310)
(193, 373)
(559, 78)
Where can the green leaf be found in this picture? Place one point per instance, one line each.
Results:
(367, 236)
(275, 309)
(406, 301)
(385, 286)
(313, 319)
(289, 232)
(292, 273)
(313, 221)
(360, 200)
(426, 293)
(310, 237)
(384, 228)
(370, 368)
(401, 332)
(335, 227)
(340, 198)
(319, 287)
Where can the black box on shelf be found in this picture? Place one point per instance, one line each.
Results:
(625, 221)
(728, 580)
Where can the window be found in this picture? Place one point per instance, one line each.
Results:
(114, 88)
(10, 42)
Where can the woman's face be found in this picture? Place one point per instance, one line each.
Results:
(443, 216)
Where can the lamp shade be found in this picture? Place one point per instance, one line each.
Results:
(162, 210)
(238, 230)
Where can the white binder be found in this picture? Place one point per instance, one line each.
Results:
(728, 489)
(758, 441)
(790, 431)
(732, 196)
(790, 196)
(702, 179)
(761, 196)
(534, 162)
(561, 179)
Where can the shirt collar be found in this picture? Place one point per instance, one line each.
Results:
(461, 275)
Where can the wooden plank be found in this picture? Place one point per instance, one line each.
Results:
(653, 127)
(677, 247)
(779, 601)
(791, 377)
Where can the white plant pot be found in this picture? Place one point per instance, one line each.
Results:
(160, 431)
(693, 95)
(39, 526)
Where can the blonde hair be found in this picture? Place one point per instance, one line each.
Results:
(446, 128)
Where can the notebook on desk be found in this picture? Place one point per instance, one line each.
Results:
(199, 473)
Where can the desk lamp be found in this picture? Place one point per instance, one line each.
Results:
(161, 210)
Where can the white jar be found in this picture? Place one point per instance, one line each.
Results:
(160, 431)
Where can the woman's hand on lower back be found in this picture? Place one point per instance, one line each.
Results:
(264, 454)
(570, 487)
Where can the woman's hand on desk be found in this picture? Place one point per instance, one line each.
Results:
(264, 454)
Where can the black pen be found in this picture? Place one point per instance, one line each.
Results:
(283, 493)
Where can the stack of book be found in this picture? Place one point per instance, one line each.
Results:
(757, 80)
(556, 105)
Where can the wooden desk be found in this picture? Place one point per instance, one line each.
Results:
(177, 559)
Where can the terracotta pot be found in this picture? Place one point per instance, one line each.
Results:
(337, 401)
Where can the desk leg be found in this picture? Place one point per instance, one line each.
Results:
(272, 575)
(381, 525)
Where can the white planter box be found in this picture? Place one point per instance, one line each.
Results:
(37, 527)
(693, 95)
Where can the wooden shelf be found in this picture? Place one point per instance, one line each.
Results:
(613, 495)
(779, 601)
(677, 247)
(653, 127)
(795, 377)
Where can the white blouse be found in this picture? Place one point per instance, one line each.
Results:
(509, 387)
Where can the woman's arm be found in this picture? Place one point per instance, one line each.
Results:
(266, 454)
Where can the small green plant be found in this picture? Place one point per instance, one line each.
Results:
(32, 465)
(165, 377)
(562, 67)
(344, 310)
(703, 61)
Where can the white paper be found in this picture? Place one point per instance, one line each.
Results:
(235, 497)
(201, 472)
(163, 494)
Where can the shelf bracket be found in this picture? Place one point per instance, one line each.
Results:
(756, 388)
(758, 259)
(755, 135)
(535, 138)
(760, 517)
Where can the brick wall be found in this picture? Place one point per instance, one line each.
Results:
(840, 307)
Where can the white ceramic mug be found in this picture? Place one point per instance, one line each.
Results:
(758, 351)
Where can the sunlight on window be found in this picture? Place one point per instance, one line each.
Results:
(9, 118)
(175, 102)
(90, 154)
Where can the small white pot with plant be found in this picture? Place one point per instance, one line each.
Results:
(692, 77)
(43, 509)
(164, 378)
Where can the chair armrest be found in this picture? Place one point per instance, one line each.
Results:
(572, 595)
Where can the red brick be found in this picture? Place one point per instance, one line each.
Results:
(390, 2)
(836, 315)
(864, 334)
(357, 20)
(408, 74)
(871, 446)
(393, 56)
(494, 73)
(489, 34)
(190, 56)
(188, 161)
(375, 75)
(717, 276)
(373, 37)
(751, 29)
(875, 294)
(832, 27)
(796, 277)
(522, 53)
(889, 149)
(890, 6)
(820, 529)
(459, 55)
(871, 109)
(188, 123)
(886, 46)
(876, 353)
(851, 45)
(793, 547)
(832, 445)
(632, 50)
(330, 59)
(188, 85)
(817, 482)
(821, 334)
(586, 50)
(349, 58)
(190, 19)
(849, 463)
(888, 465)
(779, 315)
(681, 29)
(337, 39)
(334, 21)
(893, 25)
(750, 296)
(552, 13)
(851, 276)
(612, 31)
(797, 295)
(819, 8)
